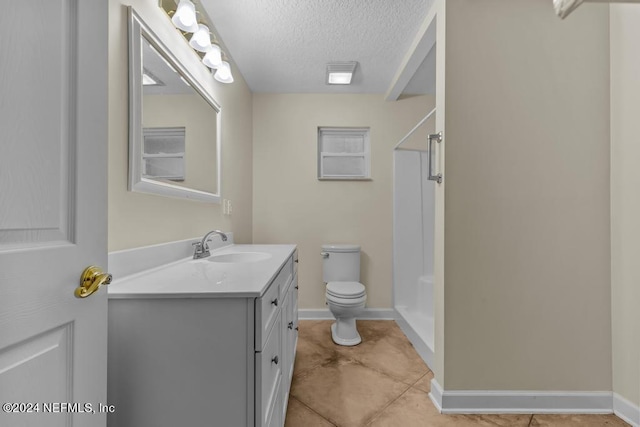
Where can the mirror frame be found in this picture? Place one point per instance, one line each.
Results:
(138, 29)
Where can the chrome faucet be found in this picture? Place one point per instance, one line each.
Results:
(202, 247)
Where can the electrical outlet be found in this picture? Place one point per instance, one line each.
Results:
(226, 207)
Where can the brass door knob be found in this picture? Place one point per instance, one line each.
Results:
(92, 278)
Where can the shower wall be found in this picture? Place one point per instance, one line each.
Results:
(413, 242)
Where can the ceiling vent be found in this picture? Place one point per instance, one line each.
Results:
(340, 73)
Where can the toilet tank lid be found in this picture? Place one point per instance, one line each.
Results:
(341, 248)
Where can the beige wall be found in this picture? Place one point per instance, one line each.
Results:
(290, 205)
(625, 199)
(527, 259)
(137, 219)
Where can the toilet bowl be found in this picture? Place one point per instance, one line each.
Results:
(345, 300)
(344, 295)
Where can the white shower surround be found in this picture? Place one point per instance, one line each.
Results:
(413, 232)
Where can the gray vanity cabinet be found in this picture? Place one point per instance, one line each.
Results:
(204, 361)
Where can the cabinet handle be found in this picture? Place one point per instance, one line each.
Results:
(275, 302)
(295, 260)
(290, 326)
(275, 360)
(296, 328)
(296, 286)
(437, 137)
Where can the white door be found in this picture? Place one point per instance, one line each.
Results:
(53, 190)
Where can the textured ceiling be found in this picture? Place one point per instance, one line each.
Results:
(283, 46)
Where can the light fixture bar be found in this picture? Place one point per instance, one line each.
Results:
(340, 73)
(185, 18)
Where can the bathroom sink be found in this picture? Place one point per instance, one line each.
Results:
(240, 257)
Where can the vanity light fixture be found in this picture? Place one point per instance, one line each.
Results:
(340, 73)
(185, 17)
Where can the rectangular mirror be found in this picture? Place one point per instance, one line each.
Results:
(174, 124)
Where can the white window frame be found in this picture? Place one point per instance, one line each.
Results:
(344, 131)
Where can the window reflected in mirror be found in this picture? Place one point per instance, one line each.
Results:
(163, 153)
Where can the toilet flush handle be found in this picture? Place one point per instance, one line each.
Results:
(324, 254)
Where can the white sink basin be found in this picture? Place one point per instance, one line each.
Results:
(239, 257)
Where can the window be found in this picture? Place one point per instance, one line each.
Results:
(163, 153)
(344, 153)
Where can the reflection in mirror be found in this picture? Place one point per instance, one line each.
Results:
(174, 124)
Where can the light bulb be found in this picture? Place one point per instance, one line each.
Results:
(185, 17)
(340, 78)
(224, 70)
(200, 40)
(223, 74)
(213, 58)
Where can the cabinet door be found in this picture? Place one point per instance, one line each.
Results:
(293, 332)
(287, 327)
(289, 340)
(268, 369)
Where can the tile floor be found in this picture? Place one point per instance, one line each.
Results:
(382, 383)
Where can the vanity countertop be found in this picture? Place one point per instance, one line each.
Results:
(188, 278)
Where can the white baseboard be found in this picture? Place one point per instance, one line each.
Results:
(626, 410)
(436, 394)
(520, 402)
(366, 314)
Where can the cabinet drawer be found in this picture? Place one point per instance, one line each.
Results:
(284, 277)
(267, 309)
(268, 376)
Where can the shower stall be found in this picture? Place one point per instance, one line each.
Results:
(413, 236)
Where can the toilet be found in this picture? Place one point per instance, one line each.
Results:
(345, 295)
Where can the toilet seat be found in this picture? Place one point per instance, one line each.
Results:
(345, 302)
(345, 294)
(345, 290)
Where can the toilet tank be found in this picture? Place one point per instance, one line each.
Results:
(340, 263)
